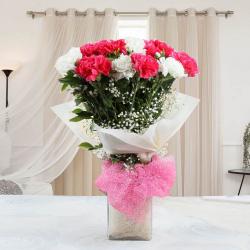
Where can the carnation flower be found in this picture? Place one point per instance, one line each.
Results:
(188, 63)
(123, 67)
(91, 67)
(103, 65)
(119, 46)
(147, 66)
(163, 67)
(175, 68)
(68, 61)
(104, 47)
(155, 46)
(135, 45)
(88, 49)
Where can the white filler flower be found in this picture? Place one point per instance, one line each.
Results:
(67, 61)
(122, 67)
(135, 44)
(175, 68)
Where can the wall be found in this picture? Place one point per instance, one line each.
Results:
(19, 35)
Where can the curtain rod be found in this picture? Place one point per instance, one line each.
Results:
(33, 14)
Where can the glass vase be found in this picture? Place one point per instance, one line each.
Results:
(120, 227)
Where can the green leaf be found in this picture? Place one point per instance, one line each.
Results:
(81, 114)
(85, 114)
(96, 147)
(76, 119)
(78, 101)
(107, 102)
(89, 146)
(77, 111)
(64, 86)
(71, 79)
(86, 145)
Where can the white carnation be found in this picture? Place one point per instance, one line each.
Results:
(135, 44)
(122, 67)
(175, 68)
(163, 67)
(67, 61)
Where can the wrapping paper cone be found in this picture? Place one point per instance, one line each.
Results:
(118, 141)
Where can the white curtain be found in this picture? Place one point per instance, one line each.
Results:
(41, 146)
(197, 146)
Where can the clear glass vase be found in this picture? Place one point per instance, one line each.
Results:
(122, 228)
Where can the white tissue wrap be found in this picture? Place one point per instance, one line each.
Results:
(64, 112)
(118, 141)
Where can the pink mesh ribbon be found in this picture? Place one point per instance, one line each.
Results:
(129, 191)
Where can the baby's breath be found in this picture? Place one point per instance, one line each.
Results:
(113, 89)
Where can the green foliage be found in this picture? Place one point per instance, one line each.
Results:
(77, 111)
(70, 80)
(64, 86)
(132, 104)
(129, 159)
(82, 115)
(135, 96)
(88, 146)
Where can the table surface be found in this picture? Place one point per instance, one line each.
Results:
(76, 223)
(239, 171)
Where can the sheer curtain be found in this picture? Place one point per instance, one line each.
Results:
(79, 176)
(41, 146)
(197, 146)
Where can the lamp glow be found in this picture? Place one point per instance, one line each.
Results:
(10, 65)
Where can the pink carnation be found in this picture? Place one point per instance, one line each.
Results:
(91, 67)
(104, 47)
(146, 65)
(119, 46)
(154, 46)
(88, 49)
(188, 63)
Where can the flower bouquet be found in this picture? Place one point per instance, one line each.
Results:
(126, 111)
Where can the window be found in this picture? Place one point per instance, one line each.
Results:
(133, 27)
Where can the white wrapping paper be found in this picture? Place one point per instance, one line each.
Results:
(117, 141)
(64, 112)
